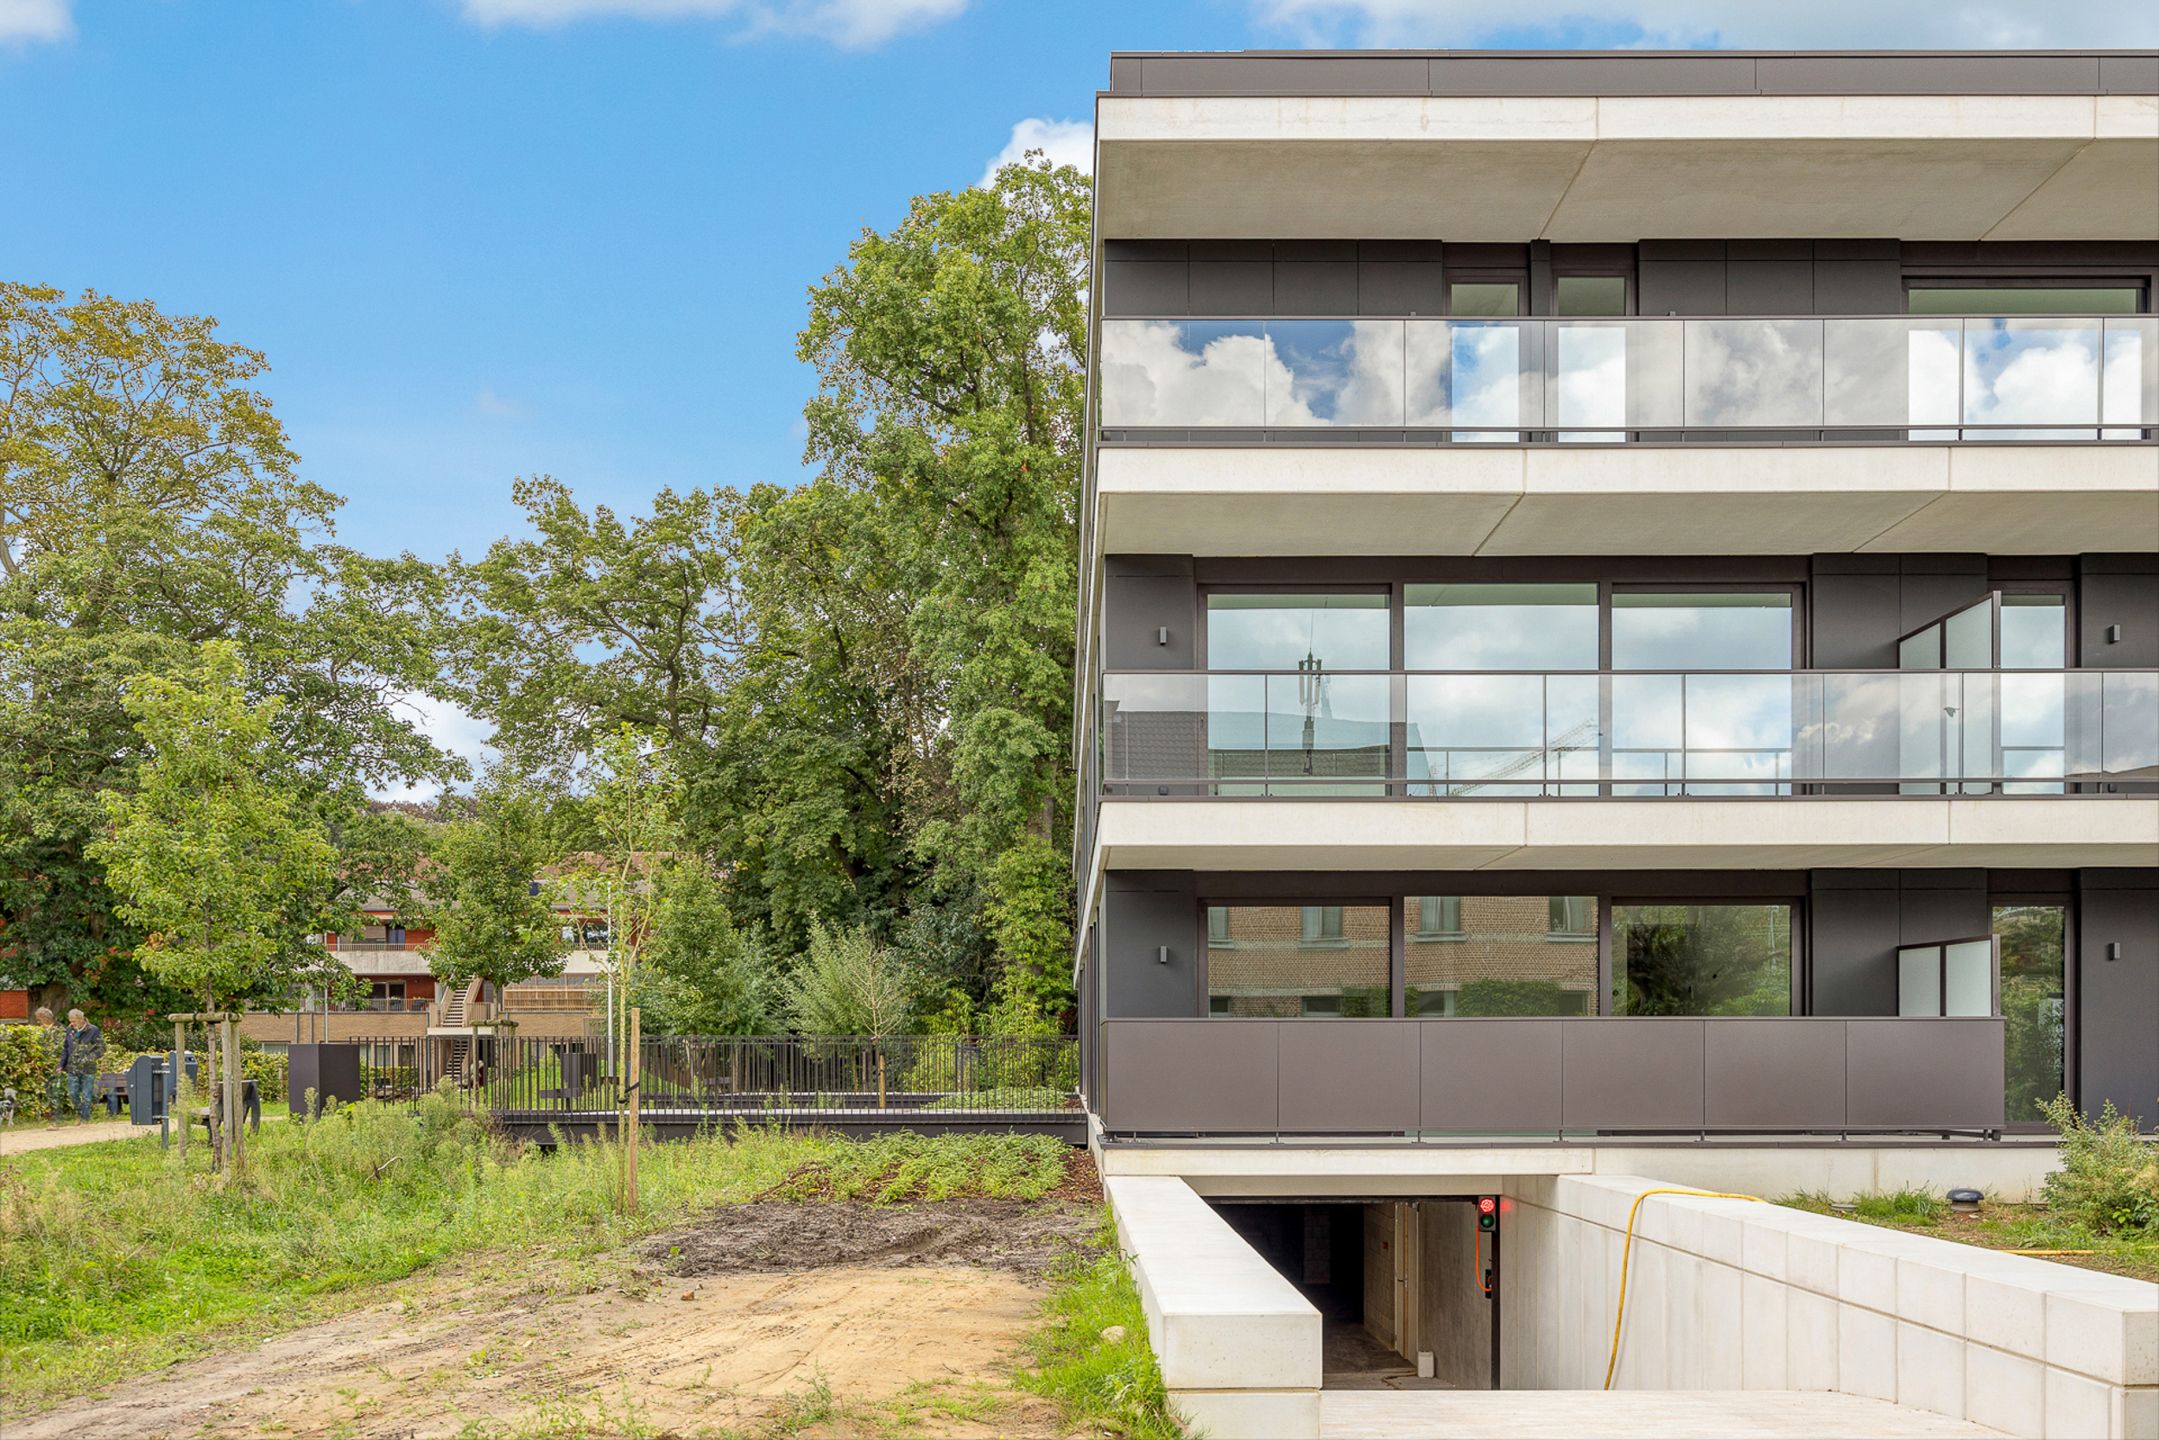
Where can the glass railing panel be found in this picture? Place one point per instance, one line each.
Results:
(1746, 374)
(1479, 378)
(1649, 734)
(1329, 734)
(2031, 377)
(1891, 371)
(2129, 381)
(1481, 735)
(1237, 759)
(1738, 734)
(1184, 373)
(1609, 377)
(2129, 726)
(2032, 718)
(1154, 726)
(1334, 372)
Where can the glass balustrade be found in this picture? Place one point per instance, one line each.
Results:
(1914, 377)
(1494, 735)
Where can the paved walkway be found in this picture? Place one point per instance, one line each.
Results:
(1601, 1415)
(19, 1139)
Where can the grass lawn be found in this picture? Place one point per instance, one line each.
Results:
(115, 1259)
(2000, 1226)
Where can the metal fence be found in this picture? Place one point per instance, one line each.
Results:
(732, 1076)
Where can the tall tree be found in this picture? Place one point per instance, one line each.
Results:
(594, 621)
(217, 853)
(149, 503)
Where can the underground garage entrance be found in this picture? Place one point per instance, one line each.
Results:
(1408, 1291)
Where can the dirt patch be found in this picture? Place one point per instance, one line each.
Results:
(780, 1236)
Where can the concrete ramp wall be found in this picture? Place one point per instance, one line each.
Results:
(1238, 1346)
(1730, 1295)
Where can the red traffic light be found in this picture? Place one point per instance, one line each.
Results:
(1487, 1212)
(1486, 1204)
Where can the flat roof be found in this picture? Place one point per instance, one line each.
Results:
(1332, 73)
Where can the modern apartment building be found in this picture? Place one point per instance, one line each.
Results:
(1620, 612)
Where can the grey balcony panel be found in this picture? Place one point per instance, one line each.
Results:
(1347, 1076)
(1923, 1074)
(1773, 1074)
(1491, 1075)
(1636, 1074)
(1191, 1076)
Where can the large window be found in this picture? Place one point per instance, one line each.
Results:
(1303, 727)
(1285, 961)
(1686, 959)
(2033, 938)
(1486, 731)
(1695, 733)
(1500, 955)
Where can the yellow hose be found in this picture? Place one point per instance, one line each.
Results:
(1626, 1252)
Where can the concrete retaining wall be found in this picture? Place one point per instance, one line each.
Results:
(1238, 1346)
(1728, 1294)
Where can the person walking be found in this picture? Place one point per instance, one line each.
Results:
(52, 1044)
(79, 1057)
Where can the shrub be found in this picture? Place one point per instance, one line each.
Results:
(848, 984)
(2109, 1180)
(28, 1064)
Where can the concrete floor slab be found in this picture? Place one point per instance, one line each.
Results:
(1597, 1414)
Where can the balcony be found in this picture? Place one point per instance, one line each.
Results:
(1633, 734)
(1550, 1077)
(1538, 381)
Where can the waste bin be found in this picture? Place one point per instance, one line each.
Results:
(332, 1072)
(150, 1087)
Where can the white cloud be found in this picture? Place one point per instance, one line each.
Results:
(496, 407)
(1065, 142)
(454, 730)
(849, 24)
(22, 21)
(1987, 24)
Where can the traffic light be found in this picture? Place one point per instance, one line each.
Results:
(1488, 1213)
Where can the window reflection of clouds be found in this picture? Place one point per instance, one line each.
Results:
(1500, 627)
(1276, 632)
(1339, 372)
(1754, 372)
(1702, 632)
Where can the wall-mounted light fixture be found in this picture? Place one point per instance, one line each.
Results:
(1161, 634)
(1161, 955)
(2114, 949)
(2114, 634)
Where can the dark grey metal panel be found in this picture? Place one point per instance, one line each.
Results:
(1144, 284)
(1592, 75)
(1375, 74)
(1137, 608)
(1680, 277)
(1853, 932)
(1400, 287)
(2125, 597)
(1940, 905)
(1315, 287)
(1501, 1075)
(1912, 1074)
(1934, 585)
(2129, 74)
(1232, 277)
(1347, 1076)
(1632, 1074)
(2118, 1000)
(1769, 287)
(1999, 73)
(1855, 618)
(1142, 912)
(1776, 1074)
(1191, 1076)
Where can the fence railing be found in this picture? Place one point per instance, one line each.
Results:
(1510, 380)
(1637, 733)
(732, 1076)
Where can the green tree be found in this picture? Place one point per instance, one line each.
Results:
(488, 901)
(593, 622)
(217, 854)
(149, 503)
(848, 984)
(701, 975)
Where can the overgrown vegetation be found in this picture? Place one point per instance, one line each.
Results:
(1091, 1354)
(115, 1259)
(2101, 1210)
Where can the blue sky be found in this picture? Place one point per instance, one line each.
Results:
(481, 238)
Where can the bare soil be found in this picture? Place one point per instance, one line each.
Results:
(1008, 1235)
(763, 1319)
